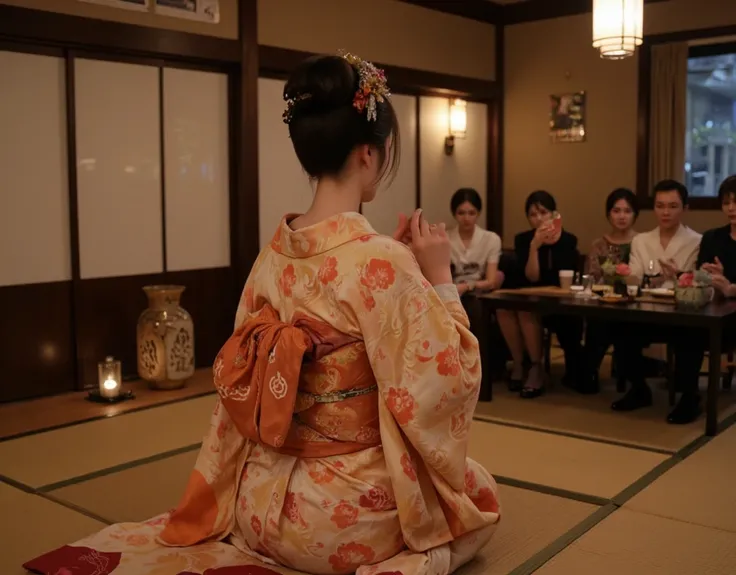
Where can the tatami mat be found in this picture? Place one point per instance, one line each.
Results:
(54, 456)
(568, 463)
(31, 525)
(134, 494)
(591, 416)
(529, 522)
(699, 490)
(640, 544)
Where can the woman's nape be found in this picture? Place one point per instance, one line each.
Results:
(348, 150)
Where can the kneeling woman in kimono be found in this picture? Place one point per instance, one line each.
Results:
(346, 393)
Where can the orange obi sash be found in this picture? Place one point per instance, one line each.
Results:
(303, 388)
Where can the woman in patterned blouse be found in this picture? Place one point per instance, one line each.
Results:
(621, 211)
(615, 246)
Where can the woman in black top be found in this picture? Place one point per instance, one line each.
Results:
(540, 255)
(717, 253)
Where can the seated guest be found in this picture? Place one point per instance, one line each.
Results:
(717, 256)
(671, 247)
(474, 254)
(622, 209)
(717, 253)
(540, 255)
(664, 252)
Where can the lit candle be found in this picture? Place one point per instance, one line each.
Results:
(109, 377)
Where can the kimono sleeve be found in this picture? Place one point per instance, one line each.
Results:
(425, 359)
(426, 363)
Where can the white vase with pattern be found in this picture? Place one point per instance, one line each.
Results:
(165, 339)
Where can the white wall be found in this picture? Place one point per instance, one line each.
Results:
(283, 187)
(442, 175)
(401, 195)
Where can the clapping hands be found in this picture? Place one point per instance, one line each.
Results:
(430, 245)
(669, 268)
(714, 269)
(718, 280)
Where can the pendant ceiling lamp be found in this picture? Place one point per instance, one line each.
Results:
(618, 27)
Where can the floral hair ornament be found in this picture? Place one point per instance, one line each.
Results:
(372, 85)
(290, 103)
(372, 89)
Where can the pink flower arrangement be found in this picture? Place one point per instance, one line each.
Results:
(623, 270)
(686, 280)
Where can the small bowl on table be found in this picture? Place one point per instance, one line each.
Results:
(614, 298)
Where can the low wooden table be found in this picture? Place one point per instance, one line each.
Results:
(716, 318)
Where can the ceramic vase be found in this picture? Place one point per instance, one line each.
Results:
(694, 297)
(165, 339)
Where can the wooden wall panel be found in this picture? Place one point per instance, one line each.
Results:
(37, 351)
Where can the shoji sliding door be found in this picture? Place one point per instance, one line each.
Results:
(118, 134)
(37, 351)
(153, 196)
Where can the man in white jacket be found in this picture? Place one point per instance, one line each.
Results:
(661, 255)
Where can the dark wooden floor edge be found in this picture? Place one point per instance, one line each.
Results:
(118, 468)
(101, 417)
(571, 435)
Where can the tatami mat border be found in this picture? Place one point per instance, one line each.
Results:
(638, 447)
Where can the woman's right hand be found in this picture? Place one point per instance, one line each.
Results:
(431, 248)
(716, 268)
(540, 235)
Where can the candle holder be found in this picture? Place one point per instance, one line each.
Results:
(110, 379)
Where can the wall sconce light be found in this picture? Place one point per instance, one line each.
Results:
(109, 380)
(458, 116)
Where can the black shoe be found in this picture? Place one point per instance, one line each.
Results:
(589, 385)
(686, 411)
(532, 392)
(590, 388)
(635, 398)
(515, 385)
(568, 381)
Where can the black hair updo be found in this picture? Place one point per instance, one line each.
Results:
(325, 127)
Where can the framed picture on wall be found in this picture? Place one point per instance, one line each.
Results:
(567, 117)
(202, 10)
(138, 5)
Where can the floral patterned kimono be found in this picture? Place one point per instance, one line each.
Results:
(338, 443)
